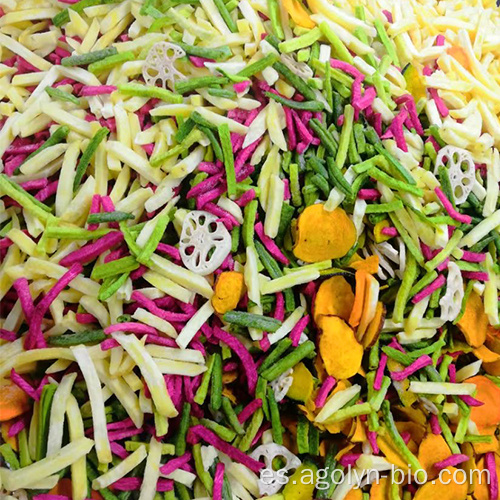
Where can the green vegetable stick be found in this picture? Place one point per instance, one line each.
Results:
(289, 361)
(250, 320)
(87, 155)
(225, 139)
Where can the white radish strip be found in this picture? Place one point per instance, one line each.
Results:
(94, 389)
(57, 411)
(152, 470)
(194, 324)
(446, 388)
(76, 431)
(121, 470)
(336, 402)
(38, 471)
(122, 391)
(150, 372)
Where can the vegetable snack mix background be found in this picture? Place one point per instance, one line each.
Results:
(249, 249)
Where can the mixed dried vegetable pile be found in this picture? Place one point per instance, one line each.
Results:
(244, 238)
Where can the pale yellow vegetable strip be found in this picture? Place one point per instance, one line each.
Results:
(168, 286)
(22, 240)
(79, 467)
(289, 280)
(287, 325)
(19, 49)
(274, 204)
(194, 324)
(121, 470)
(189, 355)
(96, 308)
(134, 161)
(38, 268)
(336, 402)
(481, 230)
(64, 118)
(216, 119)
(57, 411)
(159, 323)
(152, 470)
(150, 372)
(40, 470)
(122, 391)
(67, 173)
(182, 276)
(251, 276)
(34, 355)
(171, 367)
(42, 159)
(94, 389)
(447, 388)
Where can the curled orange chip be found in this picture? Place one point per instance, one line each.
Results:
(432, 449)
(489, 355)
(370, 264)
(486, 355)
(487, 415)
(323, 235)
(229, 289)
(380, 490)
(474, 322)
(338, 347)
(334, 298)
(13, 402)
(481, 486)
(372, 333)
(369, 305)
(359, 298)
(298, 14)
(440, 490)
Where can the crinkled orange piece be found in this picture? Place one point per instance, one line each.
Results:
(354, 494)
(489, 356)
(323, 235)
(298, 13)
(487, 415)
(438, 490)
(416, 431)
(492, 343)
(359, 298)
(372, 333)
(474, 322)
(432, 449)
(334, 298)
(338, 347)
(229, 290)
(380, 490)
(369, 305)
(369, 265)
(492, 445)
(415, 415)
(481, 491)
(13, 402)
(486, 355)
